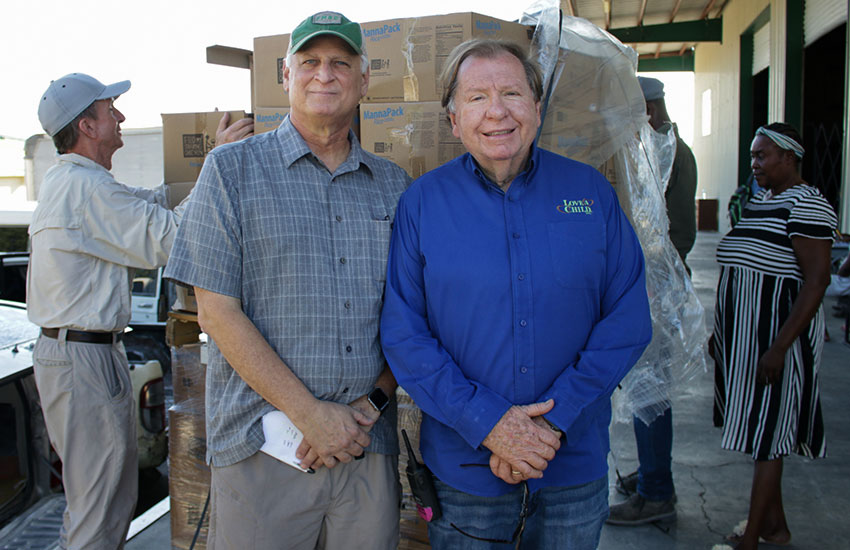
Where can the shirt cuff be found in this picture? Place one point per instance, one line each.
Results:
(480, 415)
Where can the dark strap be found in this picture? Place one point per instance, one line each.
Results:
(84, 336)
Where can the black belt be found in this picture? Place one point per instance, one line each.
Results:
(84, 336)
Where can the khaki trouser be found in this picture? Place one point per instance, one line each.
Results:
(263, 504)
(88, 404)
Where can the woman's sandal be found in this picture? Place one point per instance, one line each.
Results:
(737, 535)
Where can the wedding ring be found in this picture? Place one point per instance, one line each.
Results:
(516, 473)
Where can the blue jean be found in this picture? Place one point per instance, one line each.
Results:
(655, 448)
(558, 517)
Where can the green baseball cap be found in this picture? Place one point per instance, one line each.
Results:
(327, 22)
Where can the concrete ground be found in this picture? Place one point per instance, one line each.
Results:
(713, 485)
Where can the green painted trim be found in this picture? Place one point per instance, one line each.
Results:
(844, 208)
(794, 63)
(745, 106)
(670, 63)
(701, 30)
(760, 21)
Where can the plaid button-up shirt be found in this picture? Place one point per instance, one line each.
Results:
(305, 251)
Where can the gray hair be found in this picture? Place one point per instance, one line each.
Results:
(487, 49)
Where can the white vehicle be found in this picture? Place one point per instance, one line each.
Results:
(29, 469)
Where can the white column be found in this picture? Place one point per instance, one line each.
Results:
(776, 86)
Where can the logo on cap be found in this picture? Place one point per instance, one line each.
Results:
(327, 18)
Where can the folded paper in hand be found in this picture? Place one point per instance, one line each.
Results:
(282, 438)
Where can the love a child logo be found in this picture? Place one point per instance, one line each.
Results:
(580, 206)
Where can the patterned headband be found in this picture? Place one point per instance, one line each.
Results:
(783, 141)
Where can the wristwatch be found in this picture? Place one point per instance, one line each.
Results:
(378, 399)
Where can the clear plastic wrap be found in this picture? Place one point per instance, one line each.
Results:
(595, 113)
(676, 352)
(189, 474)
(594, 101)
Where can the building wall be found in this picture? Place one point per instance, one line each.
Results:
(138, 163)
(716, 68)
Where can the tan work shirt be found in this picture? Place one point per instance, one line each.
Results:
(88, 234)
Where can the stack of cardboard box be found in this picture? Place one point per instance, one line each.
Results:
(187, 138)
(189, 475)
(401, 117)
(268, 101)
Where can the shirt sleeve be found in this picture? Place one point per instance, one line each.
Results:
(419, 362)
(121, 227)
(679, 197)
(158, 195)
(812, 217)
(583, 390)
(208, 249)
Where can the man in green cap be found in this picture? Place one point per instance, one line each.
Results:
(285, 241)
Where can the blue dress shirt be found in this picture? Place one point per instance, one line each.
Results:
(500, 298)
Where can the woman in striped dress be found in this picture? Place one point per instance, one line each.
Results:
(769, 327)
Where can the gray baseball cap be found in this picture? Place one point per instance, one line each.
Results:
(69, 96)
(652, 88)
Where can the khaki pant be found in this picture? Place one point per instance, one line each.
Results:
(262, 504)
(89, 409)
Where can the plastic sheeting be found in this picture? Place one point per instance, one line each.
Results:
(676, 351)
(594, 102)
(189, 474)
(595, 113)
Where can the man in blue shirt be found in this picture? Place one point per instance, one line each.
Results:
(515, 303)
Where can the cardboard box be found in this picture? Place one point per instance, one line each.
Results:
(177, 191)
(267, 74)
(593, 105)
(186, 300)
(267, 119)
(416, 136)
(188, 477)
(188, 374)
(407, 55)
(186, 140)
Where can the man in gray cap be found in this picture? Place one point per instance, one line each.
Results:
(88, 234)
(652, 496)
(286, 242)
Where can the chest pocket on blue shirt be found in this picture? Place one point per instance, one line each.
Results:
(578, 253)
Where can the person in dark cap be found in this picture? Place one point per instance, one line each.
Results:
(650, 489)
(299, 221)
(88, 233)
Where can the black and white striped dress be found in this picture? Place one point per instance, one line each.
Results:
(759, 281)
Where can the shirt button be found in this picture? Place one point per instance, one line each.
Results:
(511, 198)
(348, 349)
(522, 323)
(516, 235)
(342, 260)
(521, 276)
(523, 370)
(347, 305)
(345, 390)
(339, 218)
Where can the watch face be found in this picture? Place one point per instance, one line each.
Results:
(379, 399)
